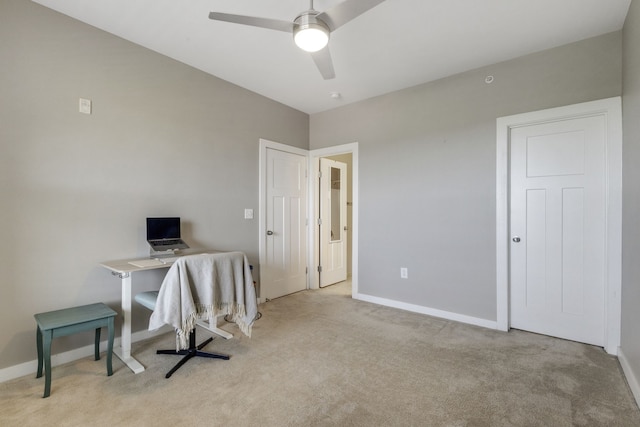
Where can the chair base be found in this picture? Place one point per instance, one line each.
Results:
(191, 352)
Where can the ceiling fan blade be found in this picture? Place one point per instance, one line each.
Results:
(344, 12)
(322, 58)
(272, 24)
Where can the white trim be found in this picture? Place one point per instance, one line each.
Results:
(502, 225)
(29, 368)
(428, 311)
(612, 110)
(632, 378)
(313, 189)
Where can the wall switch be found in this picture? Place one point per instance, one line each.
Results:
(84, 106)
(248, 214)
(404, 273)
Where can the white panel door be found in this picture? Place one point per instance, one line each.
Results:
(333, 221)
(285, 268)
(558, 220)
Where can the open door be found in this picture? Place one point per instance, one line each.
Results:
(333, 222)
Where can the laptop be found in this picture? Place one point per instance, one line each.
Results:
(163, 234)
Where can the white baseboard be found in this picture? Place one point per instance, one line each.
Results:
(631, 377)
(29, 368)
(491, 324)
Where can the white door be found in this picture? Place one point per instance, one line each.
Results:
(333, 222)
(283, 270)
(558, 220)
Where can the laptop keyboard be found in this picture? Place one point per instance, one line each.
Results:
(167, 242)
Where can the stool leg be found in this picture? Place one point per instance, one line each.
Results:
(111, 332)
(48, 336)
(97, 345)
(39, 346)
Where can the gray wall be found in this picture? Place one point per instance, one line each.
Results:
(163, 139)
(427, 170)
(631, 190)
(76, 188)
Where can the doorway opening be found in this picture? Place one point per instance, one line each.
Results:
(311, 253)
(340, 233)
(334, 202)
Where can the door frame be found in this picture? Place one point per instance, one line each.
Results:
(262, 199)
(612, 110)
(314, 162)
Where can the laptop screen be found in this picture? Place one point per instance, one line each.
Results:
(163, 228)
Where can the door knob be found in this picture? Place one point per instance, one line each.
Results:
(269, 233)
(516, 239)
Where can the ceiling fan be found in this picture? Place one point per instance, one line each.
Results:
(310, 29)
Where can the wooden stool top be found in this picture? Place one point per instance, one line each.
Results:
(71, 316)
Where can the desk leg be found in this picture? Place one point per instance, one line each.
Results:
(212, 325)
(124, 352)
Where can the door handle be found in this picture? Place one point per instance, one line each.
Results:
(269, 233)
(516, 239)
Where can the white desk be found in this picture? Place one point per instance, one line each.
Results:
(124, 270)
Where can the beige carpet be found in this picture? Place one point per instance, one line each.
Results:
(319, 358)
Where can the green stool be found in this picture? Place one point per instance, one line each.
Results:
(69, 321)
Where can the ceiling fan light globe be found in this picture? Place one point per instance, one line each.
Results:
(311, 38)
(310, 33)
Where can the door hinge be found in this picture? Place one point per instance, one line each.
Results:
(319, 221)
(319, 269)
(319, 174)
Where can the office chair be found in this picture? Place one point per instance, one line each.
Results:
(202, 285)
(148, 300)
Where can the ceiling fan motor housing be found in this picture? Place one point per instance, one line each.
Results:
(309, 32)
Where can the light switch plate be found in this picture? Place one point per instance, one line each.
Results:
(85, 106)
(248, 214)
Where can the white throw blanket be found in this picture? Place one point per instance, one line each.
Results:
(200, 286)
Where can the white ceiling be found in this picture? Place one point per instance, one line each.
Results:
(395, 45)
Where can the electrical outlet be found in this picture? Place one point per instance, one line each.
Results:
(404, 273)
